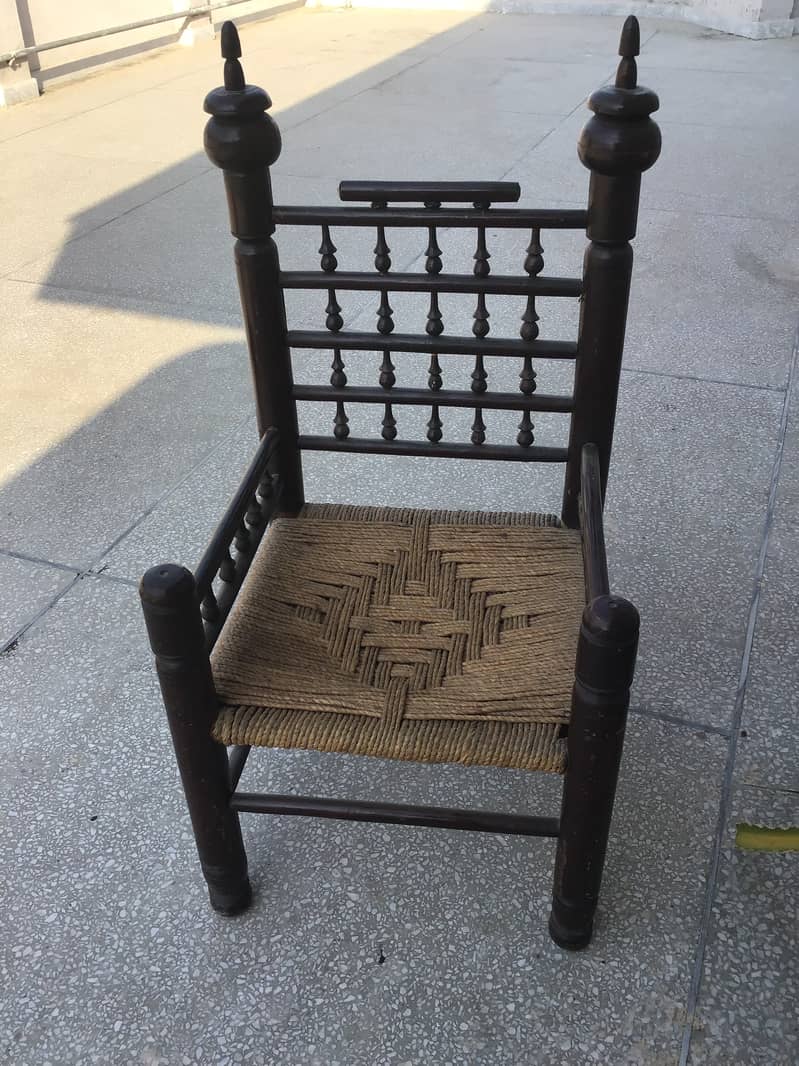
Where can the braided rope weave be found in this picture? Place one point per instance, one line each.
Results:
(432, 636)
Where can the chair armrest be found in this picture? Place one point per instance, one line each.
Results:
(252, 507)
(595, 560)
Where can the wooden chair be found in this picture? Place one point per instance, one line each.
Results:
(433, 636)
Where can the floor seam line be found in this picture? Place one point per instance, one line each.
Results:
(11, 644)
(116, 579)
(558, 125)
(166, 494)
(10, 553)
(109, 300)
(740, 695)
(89, 570)
(643, 711)
(779, 389)
(101, 225)
(355, 95)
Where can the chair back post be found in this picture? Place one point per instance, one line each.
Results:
(619, 142)
(244, 141)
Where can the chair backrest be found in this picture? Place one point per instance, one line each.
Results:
(617, 145)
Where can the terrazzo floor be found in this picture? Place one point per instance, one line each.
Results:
(126, 422)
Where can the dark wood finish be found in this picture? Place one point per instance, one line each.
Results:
(185, 617)
(412, 342)
(244, 141)
(499, 401)
(445, 450)
(605, 663)
(440, 192)
(237, 760)
(171, 611)
(420, 217)
(617, 145)
(235, 542)
(215, 605)
(594, 555)
(231, 522)
(465, 283)
(395, 814)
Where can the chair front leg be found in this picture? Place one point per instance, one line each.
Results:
(175, 628)
(603, 674)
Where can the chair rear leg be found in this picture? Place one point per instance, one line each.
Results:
(605, 662)
(177, 639)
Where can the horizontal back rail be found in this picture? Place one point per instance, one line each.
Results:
(429, 450)
(495, 401)
(411, 342)
(456, 218)
(495, 284)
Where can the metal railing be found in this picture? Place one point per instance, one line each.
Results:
(10, 58)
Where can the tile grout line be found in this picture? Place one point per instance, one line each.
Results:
(377, 84)
(9, 553)
(89, 571)
(699, 380)
(12, 642)
(116, 579)
(101, 225)
(558, 125)
(743, 680)
(170, 491)
(643, 711)
(778, 789)
(110, 300)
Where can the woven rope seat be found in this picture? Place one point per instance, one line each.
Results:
(430, 636)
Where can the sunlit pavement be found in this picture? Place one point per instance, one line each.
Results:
(126, 420)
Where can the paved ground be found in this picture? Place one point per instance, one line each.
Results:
(126, 418)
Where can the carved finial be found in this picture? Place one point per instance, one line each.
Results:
(236, 106)
(630, 40)
(231, 52)
(621, 138)
(629, 48)
(229, 40)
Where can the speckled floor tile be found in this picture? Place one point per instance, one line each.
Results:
(180, 528)
(769, 746)
(525, 86)
(684, 530)
(27, 589)
(93, 432)
(84, 198)
(369, 945)
(365, 944)
(724, 178)
(747, 1009)
(354, 129)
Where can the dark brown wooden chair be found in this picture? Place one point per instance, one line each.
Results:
(435, 636)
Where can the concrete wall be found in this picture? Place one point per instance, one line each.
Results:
(28, 22)
(44, 20)
(746, 18)
(16, 84)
